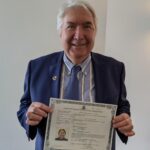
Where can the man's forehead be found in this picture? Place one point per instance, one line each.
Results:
(74, 19)
(82, 23)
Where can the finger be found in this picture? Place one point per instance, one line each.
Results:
(39, 109)
(127, 128)
(43, 107)
(35, 117)
(32, 122)
(122, 123)
(131, 133)
(39, 112)
(120, 118)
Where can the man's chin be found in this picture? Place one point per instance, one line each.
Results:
(78, 54)
(78, 57)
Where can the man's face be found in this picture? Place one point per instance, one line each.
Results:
(77, 34)
(62, 134)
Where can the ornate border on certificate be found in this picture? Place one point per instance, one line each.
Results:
(76, 125)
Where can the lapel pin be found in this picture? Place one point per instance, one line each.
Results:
(54, 78)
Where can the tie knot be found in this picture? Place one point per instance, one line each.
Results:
(75, 69)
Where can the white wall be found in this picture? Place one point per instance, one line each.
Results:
(128, 39)
(28, 30)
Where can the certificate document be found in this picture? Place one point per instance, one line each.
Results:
(76, 125)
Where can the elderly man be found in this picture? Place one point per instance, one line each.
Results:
(101, 78)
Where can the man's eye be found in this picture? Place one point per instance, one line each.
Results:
(87, 26)
(70, 27)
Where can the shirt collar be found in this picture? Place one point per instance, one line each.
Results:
(83, 65)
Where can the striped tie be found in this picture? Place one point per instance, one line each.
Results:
(72, 90)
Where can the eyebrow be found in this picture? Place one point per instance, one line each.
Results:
(69, 22)
(88, 23)
(84, 23)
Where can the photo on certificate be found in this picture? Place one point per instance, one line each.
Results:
(76, 125)
(61, 135)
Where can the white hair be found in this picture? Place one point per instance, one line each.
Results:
(72, 4)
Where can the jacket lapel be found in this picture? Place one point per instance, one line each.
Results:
(98, 70)
(55, 70)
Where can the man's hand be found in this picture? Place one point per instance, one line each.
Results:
(123, 123)
(36, 112)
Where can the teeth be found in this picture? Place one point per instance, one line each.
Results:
(78, 44)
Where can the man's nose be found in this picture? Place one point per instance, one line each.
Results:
(79, 33)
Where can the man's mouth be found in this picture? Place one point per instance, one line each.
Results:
(79, 44)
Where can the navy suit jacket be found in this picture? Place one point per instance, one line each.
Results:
(109, 75)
